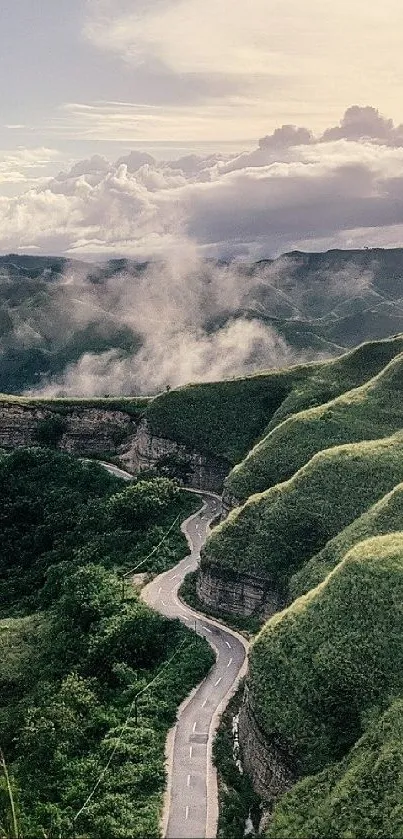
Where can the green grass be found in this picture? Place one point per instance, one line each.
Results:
(386, 516)
(369, 412)
(358, 798)
(323, 667)
(277, 531)
(223, 418)
(339, 375)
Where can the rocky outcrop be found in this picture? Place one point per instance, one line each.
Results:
(238, 594)
(82, 429)
(266, 761)
(88, 430)
(148, 451)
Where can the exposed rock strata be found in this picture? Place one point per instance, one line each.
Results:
(268, 763)
(238, 594)
(147, 451)
(229, 502)
(86, 430)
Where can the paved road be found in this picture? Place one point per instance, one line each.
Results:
(191, 801)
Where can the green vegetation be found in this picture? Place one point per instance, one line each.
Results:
(227, 418)
(359, 797)
(223, 418)
(325, 668)
(386, 516)
(276, 532)
(134, 406)
(87, 678)
(366, 413)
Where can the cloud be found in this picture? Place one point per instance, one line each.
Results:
(293, 189)
(366, 123)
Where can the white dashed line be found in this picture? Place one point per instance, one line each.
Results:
(175, 577)
(190, 752)
(160, 590)
(163, 603)
(187, 567)
(187, 813)
(218, 681)
(207, 629)
(230, 662)
(228, 645)
(204, 703)
(194, 727)
(188, 782)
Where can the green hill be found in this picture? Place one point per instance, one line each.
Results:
(386, 516)
(324, 667)
(359, 797)
(226, 418)
(275, 532)
(369, 412)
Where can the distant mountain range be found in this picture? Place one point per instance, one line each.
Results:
(53, 310)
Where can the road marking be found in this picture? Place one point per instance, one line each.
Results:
(163, 603)
(230, 662)
(207, 629)
(194, 727)
(160, 590)
(187, 567)
(187, 813)
(188, 782)
(191, 752)
(228, 645)
(218, 681)
(204, 703)
(175, 577)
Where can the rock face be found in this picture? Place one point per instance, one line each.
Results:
(83, 430)
(266, 762)
(238, 594)
(86, 430)
(147, 451)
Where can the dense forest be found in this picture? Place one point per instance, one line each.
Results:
(91, 677)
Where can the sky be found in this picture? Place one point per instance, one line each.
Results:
(130, 126)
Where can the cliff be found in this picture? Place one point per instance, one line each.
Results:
(267, 763)
(87, 430)
(239, 594)
(146, 450)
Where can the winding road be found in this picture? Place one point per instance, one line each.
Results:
(191, 800)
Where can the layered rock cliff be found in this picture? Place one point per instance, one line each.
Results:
(238, 594)
(147, 451)
(90, 431)
(267, 762)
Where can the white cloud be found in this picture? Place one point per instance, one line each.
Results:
(293, 189)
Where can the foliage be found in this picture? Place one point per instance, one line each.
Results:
(276, 532)
(359, 797)
(71, 672)
(366, 413)
(50, 429)
(322, 667)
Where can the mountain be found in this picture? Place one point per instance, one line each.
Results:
(54, 311)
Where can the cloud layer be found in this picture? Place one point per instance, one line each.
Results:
(295, 190)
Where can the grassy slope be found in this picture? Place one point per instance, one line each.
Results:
(359, 797)
(223, 418)
(275, 532)
(322, 667)
(386, 516)
(369, 412)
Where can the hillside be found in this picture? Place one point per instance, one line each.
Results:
(360, 796)
(76, 649)
(55, 312)
(340, 644)
(277, 531)
(365, 413)
(386, 516)
(321, 674)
